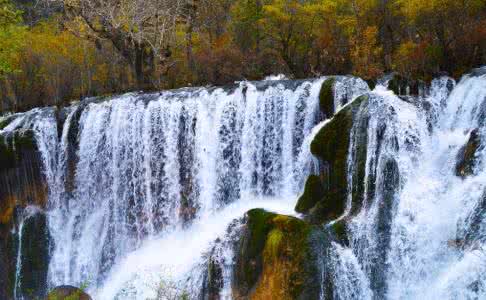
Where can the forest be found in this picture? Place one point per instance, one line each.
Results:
(53, 52)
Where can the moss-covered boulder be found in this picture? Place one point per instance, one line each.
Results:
(466, 158)
(331, 146)
(67, 292)
(339, 232)
(275, 259)
(313, 193)
(326, 97)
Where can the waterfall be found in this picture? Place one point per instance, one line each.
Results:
(141, 185)
(147, 192)
(418, 233)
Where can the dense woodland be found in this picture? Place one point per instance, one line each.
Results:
(53, 52)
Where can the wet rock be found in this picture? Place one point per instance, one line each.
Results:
(466, 158)
(386, 210)
(313, 193)
(72, 147)
(34, 256)
(326, 97)
(6, 120)
(22, 184)
(21, 178)
(371, 83)
(218, 260)
(478, 72)
(339, 232)
(404, 86)
(473, 235)
(8, 252)
(275, 259)
(67, 292)
(213, 281)
(331, 146)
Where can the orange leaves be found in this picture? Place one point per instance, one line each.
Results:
(366, 54)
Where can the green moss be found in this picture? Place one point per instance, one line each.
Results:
(273, 243)
(371, 83)
(339, 232)
(274, 256)
(5, 121)
(259, 225)
(287, 263)
(326, 210)
(331, 146)
(250, 260)
(67, 293)
(25, 140)
(326, 97)
(313, 193)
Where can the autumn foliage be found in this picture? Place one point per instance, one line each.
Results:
(53, 56)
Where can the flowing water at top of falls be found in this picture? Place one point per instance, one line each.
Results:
(141, 186)
(420, 232)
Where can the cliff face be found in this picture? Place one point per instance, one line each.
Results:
(22, 185)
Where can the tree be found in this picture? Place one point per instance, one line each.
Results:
(11, 36)
(141, 30)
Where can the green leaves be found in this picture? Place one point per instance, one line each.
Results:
(12, 34)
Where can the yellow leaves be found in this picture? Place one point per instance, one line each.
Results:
(11, 41)
(366, 54)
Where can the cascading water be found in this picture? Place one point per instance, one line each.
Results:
(146, 191)
(419, 233)
(140, 186)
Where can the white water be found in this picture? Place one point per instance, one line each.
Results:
(158, 178)
(161, 177)
(174, 256)
(431, 205)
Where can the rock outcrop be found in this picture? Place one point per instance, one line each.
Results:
(67, 292)
(275, 259)
(22, 184)
(466, 158)
(325, 195)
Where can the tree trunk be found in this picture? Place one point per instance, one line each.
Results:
(143, 63)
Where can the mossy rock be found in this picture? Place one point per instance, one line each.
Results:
(5, 121)
(326, 97)
(67, 292)
(313, 193)
(250, 259)
(274, 258)
(466, 158)
(371, 83)
(331, 146)
(339, 231)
